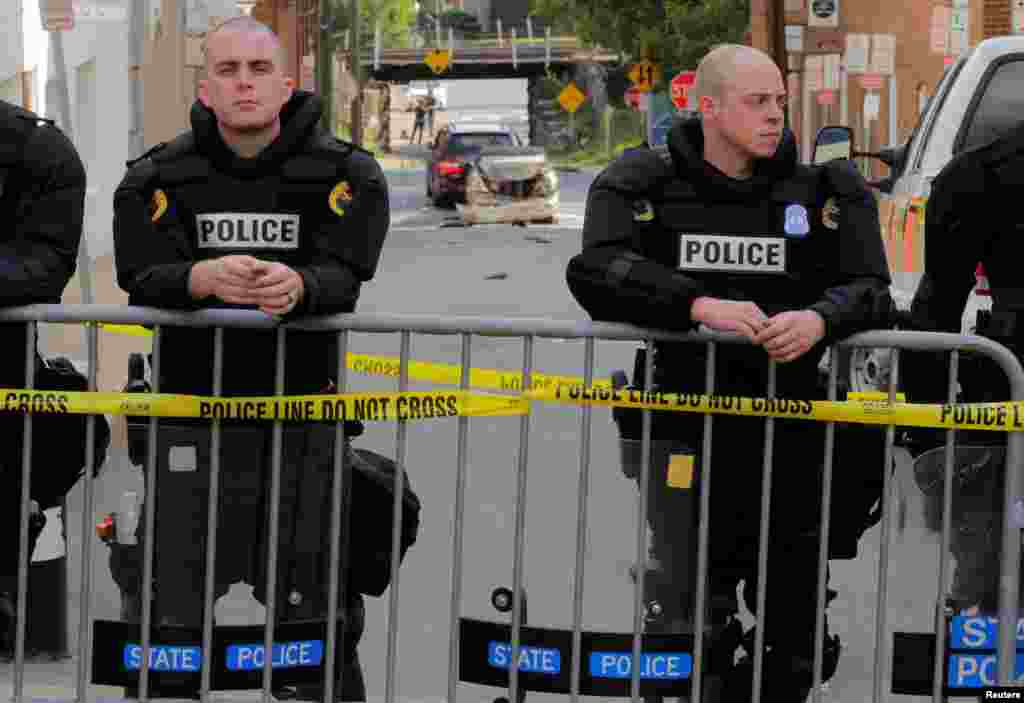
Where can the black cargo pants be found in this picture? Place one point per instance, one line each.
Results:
(183, 471)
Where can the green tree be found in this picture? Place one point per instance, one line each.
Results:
(699, 27)
(397, 21)
(675, 32)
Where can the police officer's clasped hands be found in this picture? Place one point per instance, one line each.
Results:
(786, 336)
(240, 279)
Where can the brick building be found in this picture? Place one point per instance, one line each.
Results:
(838, 73)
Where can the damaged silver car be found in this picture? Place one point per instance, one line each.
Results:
(509, 185)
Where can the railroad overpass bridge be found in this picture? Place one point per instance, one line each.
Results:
(524, 61)
(528, 60)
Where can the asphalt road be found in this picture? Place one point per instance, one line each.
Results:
(506, 271)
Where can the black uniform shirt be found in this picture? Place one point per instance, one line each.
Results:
(41, 207)
(631, 270)
(318, 205)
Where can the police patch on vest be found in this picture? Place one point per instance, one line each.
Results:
(158, 205)
(797, 224)
(247, 230)
(709, 252)
(643, 211)
(830, 214)
(343, 193)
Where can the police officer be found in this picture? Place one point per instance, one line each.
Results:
(256, 207)
(42, 197)
(724, 228)
(983, 180)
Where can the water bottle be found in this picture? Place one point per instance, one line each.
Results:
(127, 518)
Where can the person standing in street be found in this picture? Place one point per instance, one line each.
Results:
(256, 207)
(723, 228)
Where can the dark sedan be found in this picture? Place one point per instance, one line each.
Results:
(454, 146)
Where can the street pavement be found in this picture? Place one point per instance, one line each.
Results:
(500, 272)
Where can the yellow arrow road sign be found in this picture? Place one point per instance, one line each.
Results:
(571, 98)
(439, 60)
(645, 75)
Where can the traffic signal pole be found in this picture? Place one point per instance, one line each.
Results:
(325, 64)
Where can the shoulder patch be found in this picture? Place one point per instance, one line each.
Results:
(643, 210)
(339, 197)
(158, 206)
(830, 214)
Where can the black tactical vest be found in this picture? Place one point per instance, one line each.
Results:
(273, 215)
(773, 250)
(779, 249)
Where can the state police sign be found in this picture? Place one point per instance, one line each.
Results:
(545, 660)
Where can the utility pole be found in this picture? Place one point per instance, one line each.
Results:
(137, 143)
(357, 73)
(778, 30)
(64, 102)
(325, 63)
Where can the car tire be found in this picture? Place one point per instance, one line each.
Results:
(861, 369)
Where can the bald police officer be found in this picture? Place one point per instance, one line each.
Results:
(256, 207)
(724, 228)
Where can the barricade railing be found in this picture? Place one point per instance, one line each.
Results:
(528, 330)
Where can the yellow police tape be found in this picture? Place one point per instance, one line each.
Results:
(427, 405)
(430, 372)
(999, 417)
(131, 330)
(373, 407)
(861, 408)
(451, 374)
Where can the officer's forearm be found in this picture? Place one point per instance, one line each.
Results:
(32, 280)
(860, 305)
(327, 289)
(162, 286)
(615, 284)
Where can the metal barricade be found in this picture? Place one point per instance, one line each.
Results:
(528, 330)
